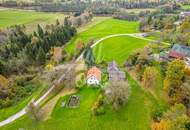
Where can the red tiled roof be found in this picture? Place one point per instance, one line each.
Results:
(175, 54)
(94, 71)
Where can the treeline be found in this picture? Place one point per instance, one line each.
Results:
(96, 7)
(22, 49)
(124, 15)
(76, 21)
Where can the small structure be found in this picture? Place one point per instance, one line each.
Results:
(74, 101)
(164, 56)
(179, 51)
(93, 76)
(184, 14)
(114, 72)
(112, 66)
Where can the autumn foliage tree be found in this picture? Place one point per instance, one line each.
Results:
(174, 79)
(150, 77)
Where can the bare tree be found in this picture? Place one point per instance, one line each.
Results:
(34, 111)
(117, 93)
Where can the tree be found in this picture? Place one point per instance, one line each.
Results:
(173, 81)
(175, 70)
(40, 31)
(150, 77)
(117, 93)
(89, 56)
(70, 78)
(34, 111)
(41, 56)
(66, 22)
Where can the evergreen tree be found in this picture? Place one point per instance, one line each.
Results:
(89, 56)
(66, 22)
(40, 31)
(41, 56)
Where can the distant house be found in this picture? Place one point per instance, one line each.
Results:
(93, 76)
(164, 56)
(114, 72)
(179, 51)
(184, 14)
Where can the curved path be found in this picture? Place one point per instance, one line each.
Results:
(24, 110)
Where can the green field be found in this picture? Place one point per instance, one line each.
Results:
(107, 27)
(117, 48)
(186, 7)
(12, 17)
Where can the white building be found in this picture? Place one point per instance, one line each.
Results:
(93, 76)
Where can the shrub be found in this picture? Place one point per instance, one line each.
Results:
(157, 114)
(98, 108)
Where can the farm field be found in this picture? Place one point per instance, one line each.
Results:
(31, 18)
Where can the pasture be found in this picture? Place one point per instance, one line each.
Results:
(11, 17)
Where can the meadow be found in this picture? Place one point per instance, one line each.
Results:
(31, 18)
(141, 103)
(104, 28)
(117, 48)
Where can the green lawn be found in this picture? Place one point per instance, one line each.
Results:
(136, 115)
(12, 17)
(117, 48)
(107, 27)
(186, 7)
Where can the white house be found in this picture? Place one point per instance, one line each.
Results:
(93, 76)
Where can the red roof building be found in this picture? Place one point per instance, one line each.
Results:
(176, 55)
(94, 76)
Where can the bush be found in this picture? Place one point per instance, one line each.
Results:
(157, 114)
(98, 108)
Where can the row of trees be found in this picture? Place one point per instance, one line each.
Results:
(83, 19)
(124, 15)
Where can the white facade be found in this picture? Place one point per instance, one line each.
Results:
(93, 81)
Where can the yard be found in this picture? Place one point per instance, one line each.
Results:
(137, 111)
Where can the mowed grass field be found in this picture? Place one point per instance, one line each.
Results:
(12, 17)
(117, 48)
(106, 27)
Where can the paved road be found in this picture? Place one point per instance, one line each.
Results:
(24, 110)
